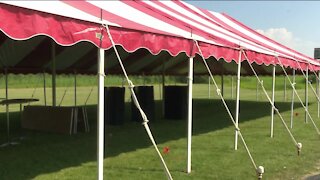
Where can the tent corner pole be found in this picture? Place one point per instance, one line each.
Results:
(272, 106)
(100, 112)
(238, 101)
(190, 83)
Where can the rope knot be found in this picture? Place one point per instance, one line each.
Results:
(261, 82)
(131, 85)
(219, 92)
(237, 129)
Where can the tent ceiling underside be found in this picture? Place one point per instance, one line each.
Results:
(34, 56)
(161, 43)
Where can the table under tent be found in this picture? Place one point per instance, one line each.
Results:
(144, 37)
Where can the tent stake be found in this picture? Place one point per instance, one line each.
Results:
(292, 97)
(272, 99)
(237, 101)
(100, 113)
(190, 81)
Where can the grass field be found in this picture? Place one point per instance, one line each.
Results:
(129, 154)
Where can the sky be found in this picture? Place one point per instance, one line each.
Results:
(295, 24)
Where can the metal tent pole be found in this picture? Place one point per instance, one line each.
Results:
(100, 112)
(306, 95)
(272, 107)
(238, 101)
(53, 56)
(292, 97)
(190, 83)
(44, 88)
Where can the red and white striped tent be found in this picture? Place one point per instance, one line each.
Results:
(155, 26)
(145, 32)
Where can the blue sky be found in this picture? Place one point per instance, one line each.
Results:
(295, 24)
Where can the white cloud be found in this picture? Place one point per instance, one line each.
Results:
(285, 37)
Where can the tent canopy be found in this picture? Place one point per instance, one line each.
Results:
(167, 29)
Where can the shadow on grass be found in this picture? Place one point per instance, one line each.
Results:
(43, 153)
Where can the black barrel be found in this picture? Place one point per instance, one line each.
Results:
(175, 102)
(114, 105)
(145, 96)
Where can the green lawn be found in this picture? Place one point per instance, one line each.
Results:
(130, 155)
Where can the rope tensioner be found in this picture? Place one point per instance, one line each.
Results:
(299, 147)
(218, 92)
(260, 171)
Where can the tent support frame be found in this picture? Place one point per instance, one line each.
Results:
(190, 83)
(273, 89)
(237, 101)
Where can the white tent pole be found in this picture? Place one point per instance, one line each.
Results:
(272, 107)
(238, 101)
(44, 88)
(75, 89)
(209, 88)
(292, 97)
(190, 81)
(318, 91)
(306, 95)
(53, 56)
(231, 87)
(100, 112)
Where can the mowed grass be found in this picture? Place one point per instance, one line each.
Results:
(130, 155)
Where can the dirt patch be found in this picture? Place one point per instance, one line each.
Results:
(313, 175)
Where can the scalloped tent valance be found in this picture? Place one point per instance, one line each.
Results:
(156, 26)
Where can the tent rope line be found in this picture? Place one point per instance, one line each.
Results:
(298, 145)
(260, 169)
(295, 91)
(137, 104)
